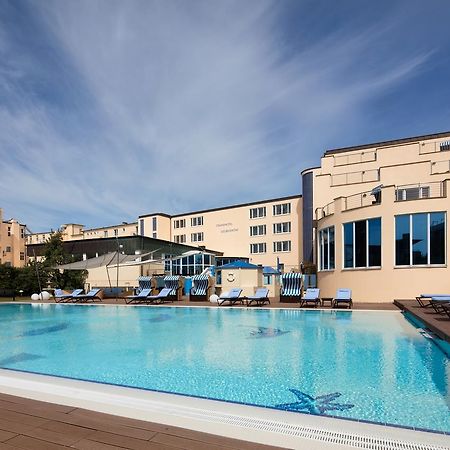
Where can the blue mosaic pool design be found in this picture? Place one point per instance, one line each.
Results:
(367, 366)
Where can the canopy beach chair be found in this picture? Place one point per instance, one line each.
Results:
(232, 296)
(291, 290)
(61, 297)
(164, 296)
(312, 295)
(175, 284)
(201, 284)
(343, 297)
(139, 298)
(260, 298)
(94, 295)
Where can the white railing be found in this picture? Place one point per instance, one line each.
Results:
(361, 200)
(325, 211)
(434, 189)
(440, 167)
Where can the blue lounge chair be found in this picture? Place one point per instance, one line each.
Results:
(61, 297)
(445, 306)
(139, 298)
(232, 296)
(343, 297)
(166, 295)
(440, 302)
(311, 296)
(260, 298)
(93, 295)
(424, 300)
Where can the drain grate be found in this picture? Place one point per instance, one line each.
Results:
(354, 440)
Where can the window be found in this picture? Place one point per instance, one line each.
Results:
(9, 231)
(412, 193)
(141, 227)
(267, 279)
(8, 249)
(196, 221)
(258, 248)
(257, 230)
(282, 208)
(116, 232)
(154, 235)
(282, 227)
(154, 223)
(362, 243)
(197, 237)
(22, 256)
(444, 146)
(282, 246)
(180, 238)
(105, 233)
(420, 239)
(326, 249)
(180, 223)
(256, 213)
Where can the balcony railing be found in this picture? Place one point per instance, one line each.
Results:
(355, 158)
(325, 211)
(440, 167)
(362, 199)
(434, 189)
(363, 176)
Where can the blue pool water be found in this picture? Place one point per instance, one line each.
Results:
(372, 366)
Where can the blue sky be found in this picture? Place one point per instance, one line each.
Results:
(112, 109)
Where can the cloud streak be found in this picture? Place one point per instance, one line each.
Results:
(133, 107)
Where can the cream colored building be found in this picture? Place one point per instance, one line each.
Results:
(375, 218)
(265, 232)
(12, 242)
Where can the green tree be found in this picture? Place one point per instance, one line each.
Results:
(55, 255)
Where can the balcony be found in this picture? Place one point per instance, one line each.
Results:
(363, 199)
(325, 211)
(364, 176)
(435, 189)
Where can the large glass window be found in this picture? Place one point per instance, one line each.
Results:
(362, 243)
(420, 239)
(326, 248)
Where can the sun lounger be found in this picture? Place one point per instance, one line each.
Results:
(311, 296)
(260, 298)
(343, 297)
(440, 302)
(164, 296)
(93, 295)
(139, 298)
(61, 297)
(232, 296)
(424, 300)
(446, 307)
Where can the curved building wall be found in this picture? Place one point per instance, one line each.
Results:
(388, 281)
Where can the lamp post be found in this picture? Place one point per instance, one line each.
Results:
(119, 246)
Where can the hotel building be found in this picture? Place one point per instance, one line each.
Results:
(375, 218)
(12, 242)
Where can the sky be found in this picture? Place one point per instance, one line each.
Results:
(118, 108)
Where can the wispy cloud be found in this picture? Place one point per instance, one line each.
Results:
(170, 106)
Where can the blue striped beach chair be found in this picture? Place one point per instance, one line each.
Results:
(199, 289)
(291, 290)
(172, 282)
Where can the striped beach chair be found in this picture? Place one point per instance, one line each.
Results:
(199, 289)
(291, 290)
(172, 282)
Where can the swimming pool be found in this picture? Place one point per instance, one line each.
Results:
(369, 366)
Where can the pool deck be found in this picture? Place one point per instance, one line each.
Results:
(437, 323)
(31, 424)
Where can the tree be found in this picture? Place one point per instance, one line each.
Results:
(55, 255)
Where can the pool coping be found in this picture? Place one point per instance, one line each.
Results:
(250, 423)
